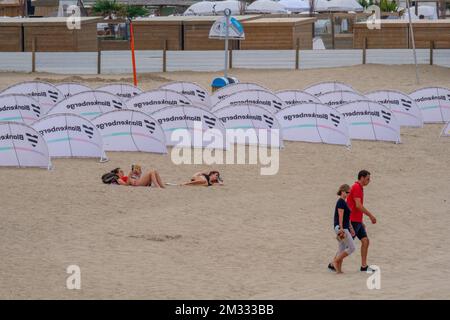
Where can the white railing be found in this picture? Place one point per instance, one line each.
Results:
(119, 62)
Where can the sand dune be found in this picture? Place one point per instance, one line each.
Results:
(257, 237)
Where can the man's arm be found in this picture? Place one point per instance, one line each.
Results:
(360, 207)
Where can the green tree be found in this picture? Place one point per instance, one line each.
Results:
(388, 6)
(110, 8)
(106, 8)
(133, 11)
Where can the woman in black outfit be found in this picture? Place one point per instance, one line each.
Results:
(343, 229)
(205, 179)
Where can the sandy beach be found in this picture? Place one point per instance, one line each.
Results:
(257, 237)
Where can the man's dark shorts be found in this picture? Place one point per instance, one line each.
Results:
(360, 231)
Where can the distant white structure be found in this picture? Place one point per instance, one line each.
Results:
(209, 8)
(233, 5)
(200, 8)
(266, 6)
(428, 13)
(64, 5)
(295, 6)
(318, 44)
(337, 5)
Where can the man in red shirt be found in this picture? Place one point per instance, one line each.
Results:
(355, 201)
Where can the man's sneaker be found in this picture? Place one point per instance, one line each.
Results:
(367, 269)
(331, 267)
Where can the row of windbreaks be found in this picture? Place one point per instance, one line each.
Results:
(120, 117)
(433, 102)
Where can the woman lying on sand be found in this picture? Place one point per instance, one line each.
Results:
(205, 179)
(137, 179)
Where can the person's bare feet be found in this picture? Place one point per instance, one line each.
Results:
(337, 266)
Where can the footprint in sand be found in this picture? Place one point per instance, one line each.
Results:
(156, 237)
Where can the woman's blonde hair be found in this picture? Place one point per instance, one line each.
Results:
(342, 188)
(136, 167)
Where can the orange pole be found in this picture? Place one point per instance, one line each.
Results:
(133, 59)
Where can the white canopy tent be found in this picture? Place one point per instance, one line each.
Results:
(232, 88)
(337, 5)
(403, 106)
(209, 8)
(434, 103)
(45, 93)
(88, 104)
(123, 90)
(22, 146)
(324, 87)
(338, 98)
(71, 88)
(292, 97)
(19, 108)
(369, 120)
(295, 6)
(154, 100)
(256, 125)
(233, 5)
(266, 6)
(262, 98)
(204, 129)
(197, 94)
(70, 136)
(313, 122)
(200, 8)
(127, 130)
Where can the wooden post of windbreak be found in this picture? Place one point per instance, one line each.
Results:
(99, 56)
(165, 56)
(431, 52)
(297, 54)
(332, 30)
(33, 55)
(364, 50)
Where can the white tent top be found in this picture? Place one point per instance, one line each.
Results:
(327, 86)
(70, 136)
(228, 90)
(44, 92)
(71, 88)
(22, 146)
(295, 5)
(128, 130)
(192, 90)
(266, 6)
(200, 8)
(337, 5)
(233, 5)
(313, 122)
(403, 106)
(208, 8)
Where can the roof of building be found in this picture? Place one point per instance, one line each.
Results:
(179, 3)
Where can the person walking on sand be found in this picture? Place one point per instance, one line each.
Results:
(355, 201)
(343, 228)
